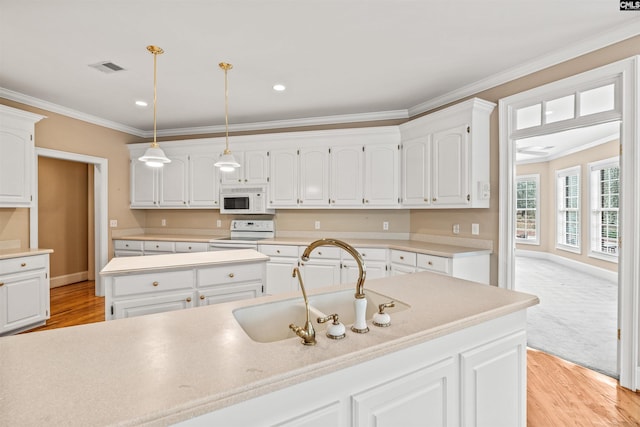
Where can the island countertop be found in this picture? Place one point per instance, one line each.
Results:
(163, 368)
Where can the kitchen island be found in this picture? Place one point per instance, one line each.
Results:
(458, 351)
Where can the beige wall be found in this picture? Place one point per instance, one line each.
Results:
(547, 171)
(63, 133)
(63, 214)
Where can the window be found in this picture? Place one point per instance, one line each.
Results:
(527, 202)
(605, 201)
(568, 209)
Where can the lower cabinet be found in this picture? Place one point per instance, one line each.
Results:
(130, 294)
(283, 259)
(24, 293)
(473, 377)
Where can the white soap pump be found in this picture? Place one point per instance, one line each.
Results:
(335, 331)
(381, 318)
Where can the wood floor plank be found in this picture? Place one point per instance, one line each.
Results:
(559, 393)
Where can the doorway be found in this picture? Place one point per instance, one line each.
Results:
(100, 207)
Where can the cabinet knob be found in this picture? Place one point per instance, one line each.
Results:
(434, 199)
(188, 299)
(430, 263)
(231, 275)
(155, 283)
(24, 264)
(319, 253)
(1, 284)
(277, 251)
(366, 201)
(426, 199)
(401, 257)
(333, 201)
(202, 297)
(127, 245)
(363, 254)
(189, 247)
(157, 246)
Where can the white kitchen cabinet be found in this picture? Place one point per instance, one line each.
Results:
(153, 247)
(173, 182)
(382, 175)
(322, 268)
(128, 248)
(153, 304)
(416, 172)
(220, 294)
(24, 293)
(191, 247)
(254, 168)
(375, 260)
(17, 156)
(204, 188)
(454, 146)
(282, 260)
(313, 173)
(402, 262)
(347, 176)
(144, 185)
(283, 179)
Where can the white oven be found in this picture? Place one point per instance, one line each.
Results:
(244, 200)
(244, 234)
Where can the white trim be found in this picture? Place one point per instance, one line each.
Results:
(67, 279)
(589, 269)
(101, 193)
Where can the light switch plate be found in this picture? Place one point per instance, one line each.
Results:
(113, 223)
(456, 228)
(475, 229)
(385, 225)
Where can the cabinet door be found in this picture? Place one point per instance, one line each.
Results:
(374, 270)
(451, 167)
(256, 167)
(220, 294)
(203, 181)
(398, 269)
(235, 176)
(151, 305)
(283, 182)
(314, 177)
(382, 175)
(493, 380)
(416, 173)
(173, 178)
(426, 397)
(347, 176)
(319, 273)
(144, 190)
(280, 275)
(24, 300)
(16, 150)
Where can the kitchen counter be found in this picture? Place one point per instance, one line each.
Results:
(15, 253)
(164, 368)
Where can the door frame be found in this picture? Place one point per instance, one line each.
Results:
(628, 71)
(101, 191)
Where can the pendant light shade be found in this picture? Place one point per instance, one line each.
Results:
(226, 162)
(154, 156)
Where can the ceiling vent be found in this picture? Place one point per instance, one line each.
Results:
(107, 67)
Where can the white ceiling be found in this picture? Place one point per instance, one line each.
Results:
(394, 58)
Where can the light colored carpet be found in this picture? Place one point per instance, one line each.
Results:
(577, 315)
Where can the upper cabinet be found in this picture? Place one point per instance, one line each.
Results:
(445, 157)
(17, 157)
(254, 168)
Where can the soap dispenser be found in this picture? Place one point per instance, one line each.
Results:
(381, 318)
(335, 331)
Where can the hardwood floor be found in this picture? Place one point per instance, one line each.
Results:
(559, 393)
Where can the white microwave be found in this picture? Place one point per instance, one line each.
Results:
(244, 200)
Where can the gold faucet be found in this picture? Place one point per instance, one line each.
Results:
(308, 334)
(362, 273)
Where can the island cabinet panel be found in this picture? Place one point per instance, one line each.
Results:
(152, 283)
(220, 294)
(24, 293)
(151, 305)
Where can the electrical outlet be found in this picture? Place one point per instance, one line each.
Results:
(113, 223)
(456, 228)
(475, 229)
(163, 222)
(385, 225)
(317, 225)
(219, 223)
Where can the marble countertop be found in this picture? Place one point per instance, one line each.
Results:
(16, 253)
(172, 261)
(167, 367)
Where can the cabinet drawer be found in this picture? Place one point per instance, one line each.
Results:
(403, 257)
(152, 282)
(370, 254)
(434, 263)
(192, 247)
(230, 274)
(153, 246)
(322, 252)
(25, 263)
(128, 245)
(279, 250)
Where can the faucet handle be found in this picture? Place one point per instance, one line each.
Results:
(381, 318)
(335, 331)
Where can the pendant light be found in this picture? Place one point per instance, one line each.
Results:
(154, 156)
(226, 162)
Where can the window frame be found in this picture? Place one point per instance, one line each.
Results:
(536, 178)
(595, 208)
(561, 234)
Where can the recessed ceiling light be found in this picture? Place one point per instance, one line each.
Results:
(141, 103)
(279, 87)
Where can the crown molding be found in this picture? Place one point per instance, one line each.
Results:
(631, 29)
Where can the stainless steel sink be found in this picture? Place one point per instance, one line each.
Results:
(269, 322)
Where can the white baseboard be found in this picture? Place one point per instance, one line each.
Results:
(577, 265)
(67, 279)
